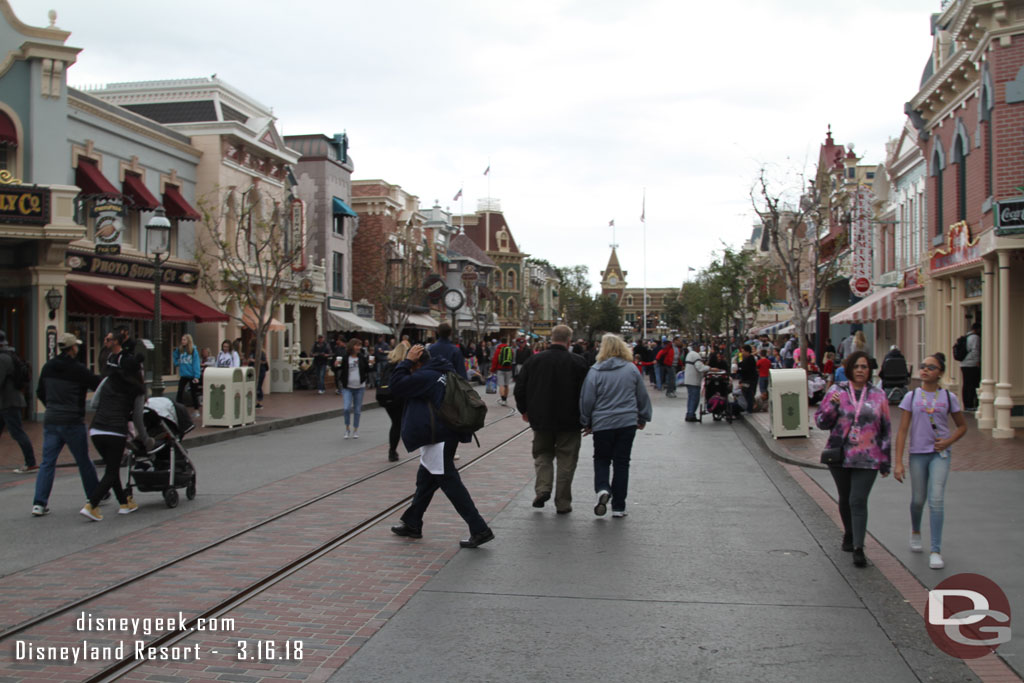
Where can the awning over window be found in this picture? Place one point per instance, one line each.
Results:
(136, 193)
(878, 306)
(8, 134)
(90, 299)
(176, 206)
(144, 298)
(421, 320)
(250, 320)
(201, 312)
(770, 330)
(343, 208)
(90, 179)
(350, 322)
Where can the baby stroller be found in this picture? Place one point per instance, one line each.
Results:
(167, 467)
(895, 378)
(816, 386)
(716, 396)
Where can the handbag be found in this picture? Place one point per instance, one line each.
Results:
(835, 455)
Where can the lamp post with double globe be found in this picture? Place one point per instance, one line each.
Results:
(158, 241)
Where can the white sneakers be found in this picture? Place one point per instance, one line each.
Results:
(619, 513)
(935, 561)
(602, 503)
(347, 434)
(40, 510)
(915, 542)
(355, 434)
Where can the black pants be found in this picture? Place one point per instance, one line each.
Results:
(193, 386)
(111, 449)
(748, 394)
(972, 380)
(854, 485)
(612, 449)
(451, 484)
(395, 433)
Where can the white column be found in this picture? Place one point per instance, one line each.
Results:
(989, 362)
(1003, 402)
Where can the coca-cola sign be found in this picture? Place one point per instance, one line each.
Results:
(1010, 217)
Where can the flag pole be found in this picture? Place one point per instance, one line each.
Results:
(643, 219)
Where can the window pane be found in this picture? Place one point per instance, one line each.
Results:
(338, 273)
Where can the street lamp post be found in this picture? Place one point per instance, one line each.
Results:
(158, 233)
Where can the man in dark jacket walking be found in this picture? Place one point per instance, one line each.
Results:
(12, 402)
(547, 395)
(444, 348)
(420, 381)
(63, 384)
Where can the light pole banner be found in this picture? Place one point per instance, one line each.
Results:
(860, 243)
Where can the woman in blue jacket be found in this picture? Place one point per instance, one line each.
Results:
(420, 381)
(186, 359)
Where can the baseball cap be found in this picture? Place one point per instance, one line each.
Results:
(67, 339)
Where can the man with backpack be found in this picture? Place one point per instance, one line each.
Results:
(14, 379)
(970, 365)
(502, 364)
(421, 381)
(548, 396)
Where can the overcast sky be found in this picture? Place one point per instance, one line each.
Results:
(577, 105)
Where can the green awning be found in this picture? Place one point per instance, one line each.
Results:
(343, 208)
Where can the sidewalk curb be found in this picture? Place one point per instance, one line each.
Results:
(778, 453)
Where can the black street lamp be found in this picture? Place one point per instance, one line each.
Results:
(158, 241)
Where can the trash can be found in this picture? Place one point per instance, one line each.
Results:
(787, 403)
(230, 397)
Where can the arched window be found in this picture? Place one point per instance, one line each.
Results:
(496, 279)
(8, 144)
(510, 279)
(986, 125)
(960, 157)
(938, 164)
(510, 307)
(497, 307)
(629, 300)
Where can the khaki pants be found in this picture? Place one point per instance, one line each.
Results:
(547, 447)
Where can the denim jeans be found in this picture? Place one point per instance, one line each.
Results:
(54, 439)
(657, 376)
(321, 376)
(353, 404)
(692, 399)
(612, 447)
(11, 418)
(670, 380)
(928, 474)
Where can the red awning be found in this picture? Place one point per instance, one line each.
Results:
(8, 134)
(168, 311)
(200, 311)
(177, 206)
(136, 193)
(90, 179)
(877, 306)
(90, 299)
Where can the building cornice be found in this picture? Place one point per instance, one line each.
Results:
(126, 122)
(49, 33)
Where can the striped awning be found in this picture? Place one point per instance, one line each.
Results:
(878, 306)
(770, 330)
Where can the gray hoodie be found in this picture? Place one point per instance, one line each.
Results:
(614, 396)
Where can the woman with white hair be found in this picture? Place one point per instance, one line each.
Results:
(613, 405)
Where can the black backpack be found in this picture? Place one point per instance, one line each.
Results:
(960, 348)
(21, 372)
(384, 397)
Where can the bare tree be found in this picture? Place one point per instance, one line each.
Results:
(404, 261)
(806, 240)
(248, 257)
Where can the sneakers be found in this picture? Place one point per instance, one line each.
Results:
(26, 469)
(129, 507)
(347, 434)
(320, 391)
(602, 503)
(40, 510)
(935, 561)
(91, 512)
(915, 542)
(355, 435)
(619, 513)
(502, 402)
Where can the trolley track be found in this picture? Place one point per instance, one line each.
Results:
(304, 559)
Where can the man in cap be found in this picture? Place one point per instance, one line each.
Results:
(63, 384)
(12, 402)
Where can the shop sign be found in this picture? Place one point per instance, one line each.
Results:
(24, 204)
(51, 342)
(911, 278)
(860, 243)
(125, 269)
(959, 248)
(109, 232)
(1010, 217)
(298, 229)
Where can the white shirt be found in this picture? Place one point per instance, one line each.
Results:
(228, 359)
(432, 457)
(353, 373)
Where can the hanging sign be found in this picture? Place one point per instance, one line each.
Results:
(109, 230)
(860, 243)
(1010, 217)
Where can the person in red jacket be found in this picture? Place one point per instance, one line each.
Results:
(666, 359)
(764, 365)
(502, 363)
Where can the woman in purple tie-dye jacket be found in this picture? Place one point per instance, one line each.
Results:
(857, 415)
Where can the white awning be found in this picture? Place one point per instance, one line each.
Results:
(770, 330)
(878, 306)
(422, 320)
(348, 322)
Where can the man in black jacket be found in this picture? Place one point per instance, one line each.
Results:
(747, 372)
(547, 394)
(63, 384)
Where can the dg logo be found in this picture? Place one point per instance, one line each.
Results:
(968, 616)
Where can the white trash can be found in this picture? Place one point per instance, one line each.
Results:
(230, 397)
(787, 403)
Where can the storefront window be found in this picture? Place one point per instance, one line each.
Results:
(972, 287)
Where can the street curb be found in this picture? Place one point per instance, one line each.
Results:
(269, 426)
(778, 453)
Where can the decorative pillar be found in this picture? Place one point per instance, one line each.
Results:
(1003, 403)
(952, 326)
(989, 332)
